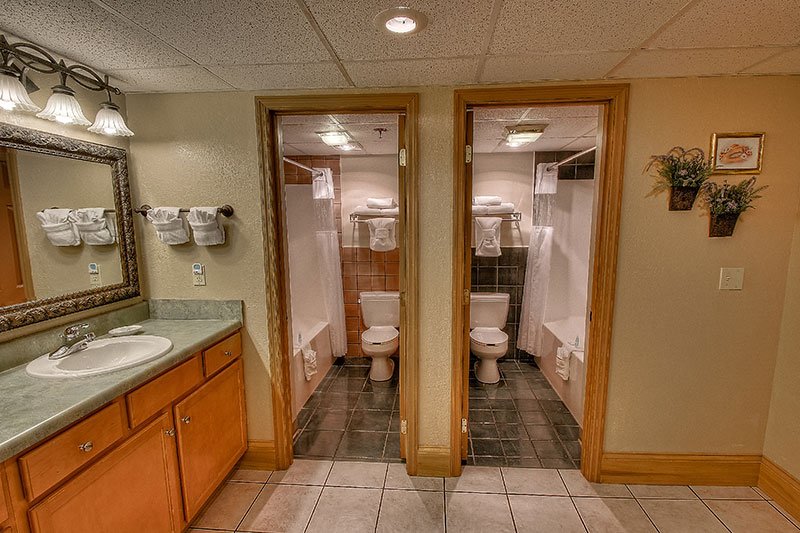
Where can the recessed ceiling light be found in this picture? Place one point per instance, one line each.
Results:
(523, 134)
(350, 147)
(401, 20)
(334, 138)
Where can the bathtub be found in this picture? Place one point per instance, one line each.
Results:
(318, 336)
(555, 334)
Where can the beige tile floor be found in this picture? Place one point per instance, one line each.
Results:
(327, 496)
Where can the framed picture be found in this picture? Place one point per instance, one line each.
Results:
(737, 153)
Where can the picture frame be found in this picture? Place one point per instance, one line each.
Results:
(737, 153)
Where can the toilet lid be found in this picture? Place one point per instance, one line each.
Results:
(488, 336)
(379, 334)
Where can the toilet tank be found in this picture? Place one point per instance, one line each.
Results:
(380, 308)
(488, 310)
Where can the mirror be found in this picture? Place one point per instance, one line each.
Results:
(66, 228)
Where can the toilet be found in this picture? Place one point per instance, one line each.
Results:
(380, 312)
(488, 313)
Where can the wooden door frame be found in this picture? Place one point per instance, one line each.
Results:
(9, 156)
(614, 101)
(268, 108)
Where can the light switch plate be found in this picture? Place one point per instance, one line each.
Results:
(94, 275)
(731, 279)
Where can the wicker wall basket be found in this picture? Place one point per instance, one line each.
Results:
(722, 225)
(682, 198)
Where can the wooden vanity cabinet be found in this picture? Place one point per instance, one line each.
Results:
(134, 488)
(5, 515)
(212, 435)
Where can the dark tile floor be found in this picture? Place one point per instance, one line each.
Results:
(351, 417)
(520, 421)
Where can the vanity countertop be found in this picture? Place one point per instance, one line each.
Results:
(32, 408)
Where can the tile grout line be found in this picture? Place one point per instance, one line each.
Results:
(508, 499)
(319, 497)
(249, 507)
(709, 508)
(642, 508)
(380, 503)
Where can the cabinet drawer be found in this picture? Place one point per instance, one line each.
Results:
(222, 353)
(150, 398)
(45, 466)
(3, 506)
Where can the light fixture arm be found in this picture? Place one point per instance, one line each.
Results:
(38, 59)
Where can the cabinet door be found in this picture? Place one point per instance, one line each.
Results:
(212, 435)
(134, 488)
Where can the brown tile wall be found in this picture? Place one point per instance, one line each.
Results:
(297, 176)
(365, 270)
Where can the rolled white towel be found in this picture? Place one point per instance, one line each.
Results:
(206, 229)
(381, 203)
(57, 227)
(480, 209)
(487, 236)
(381, 234)
(487, 200)
(95, 227)
(364, 210)
(502, 209)
(169, 225)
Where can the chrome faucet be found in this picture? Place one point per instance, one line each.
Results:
(74, 341)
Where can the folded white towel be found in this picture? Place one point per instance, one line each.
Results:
(486, 200)
(58, 228)
(206, 229)
(381, 234)
(381, 203)
(364, 210)
(322, 184)
(546, 180)
(505, 208)
(309, 361)
(170, 227)
(563, 354)
(487, 236)
(95, 226)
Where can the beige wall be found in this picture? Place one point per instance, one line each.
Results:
(365, 176)
(783, 430)
(510, 176)
(691, 366)
(47, 181)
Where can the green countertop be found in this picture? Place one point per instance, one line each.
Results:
(33, 408)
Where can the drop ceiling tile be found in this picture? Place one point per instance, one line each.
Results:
(379, 148)
(676, 63)
(787, 62)
(732, 23)
(168, 80)
(581, 143)
(454, 28)
(549, 145)
(381, 118)
(525, 26)
(288, 76)
(484, 147)
(304, 133)
(412, 72)
(317, 148)
(366, 133)
(533, 67)
(512, 114)
(561, 111)
(570, 127)
(306, 119)
(84, 32)
(243, 32)
(290, 150)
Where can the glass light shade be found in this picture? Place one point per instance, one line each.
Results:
(522, 137)
(334, 138)
(109, 121)
(401, 24)
(13, 96)
(349, 147)
(62, 107)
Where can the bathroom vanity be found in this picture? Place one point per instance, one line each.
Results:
(141, 449)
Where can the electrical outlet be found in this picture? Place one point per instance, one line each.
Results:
(198, 275)
(731, 279)
(94, 275)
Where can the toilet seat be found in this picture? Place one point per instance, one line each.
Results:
(380, 335)
(488, 336)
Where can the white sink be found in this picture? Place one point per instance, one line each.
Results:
(102, 356)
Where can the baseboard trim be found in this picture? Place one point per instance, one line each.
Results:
(781, 486)
(260, 455)
(680, 469)
(433, 461)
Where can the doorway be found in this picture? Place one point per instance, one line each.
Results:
(611, 102)
(15, 275)
(291, 129)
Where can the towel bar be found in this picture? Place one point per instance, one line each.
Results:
(515, 217)
(356, 218)
(225, 210)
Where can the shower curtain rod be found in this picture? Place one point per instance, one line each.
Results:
(570, 158)
(295, 163)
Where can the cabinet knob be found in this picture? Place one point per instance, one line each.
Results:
(86, 446)
(169, 432)
(228, 353)
(186, 419)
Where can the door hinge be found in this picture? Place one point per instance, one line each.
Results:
(466, 296)
(404, 427)
(468, 154)
(463, 425)
(402, 157)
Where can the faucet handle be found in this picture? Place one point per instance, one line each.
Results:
(73, 332)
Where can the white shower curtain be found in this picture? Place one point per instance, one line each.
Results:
(330, 264)
(537, 273)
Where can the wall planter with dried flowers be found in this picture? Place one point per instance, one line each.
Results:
(726, 202)
(682, 173)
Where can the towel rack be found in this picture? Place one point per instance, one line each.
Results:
(225, 210)
(104, 210)
(515, 217)
(357, 218)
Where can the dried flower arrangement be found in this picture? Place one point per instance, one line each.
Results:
(681, 172)
(726, 202)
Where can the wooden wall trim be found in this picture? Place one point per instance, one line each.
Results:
(275, 252)
(781, 486)
(614, 101)
(435, 461)
(260, 455)
(680, 469)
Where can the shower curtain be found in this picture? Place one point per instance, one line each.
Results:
(330, 263)
(537, 271)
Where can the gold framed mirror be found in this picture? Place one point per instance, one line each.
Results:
(66, 228)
